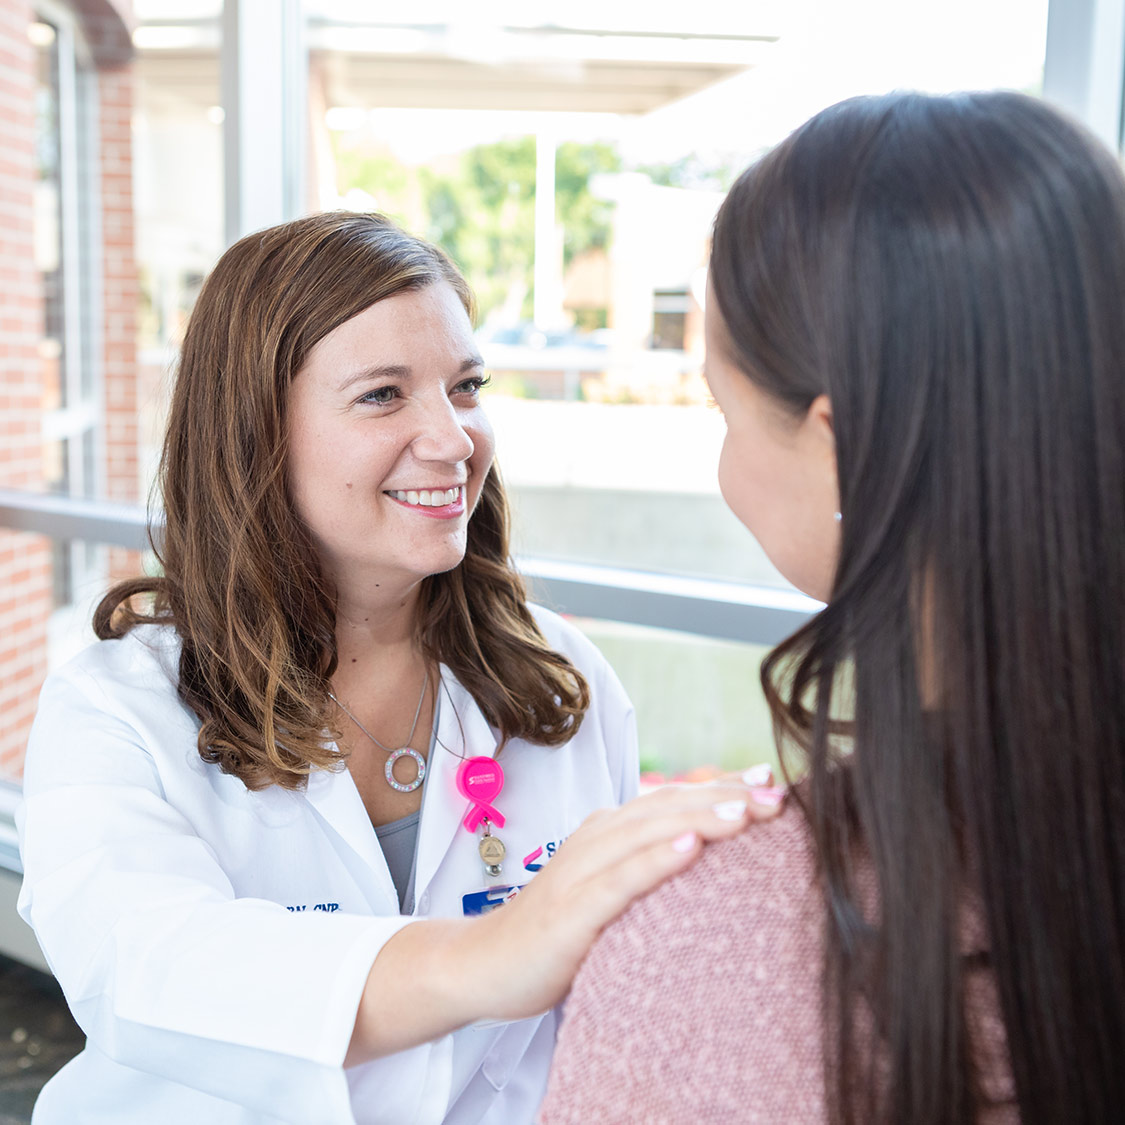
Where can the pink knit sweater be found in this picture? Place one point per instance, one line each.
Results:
(702, 1004)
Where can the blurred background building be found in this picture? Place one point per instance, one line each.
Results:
(570, 157)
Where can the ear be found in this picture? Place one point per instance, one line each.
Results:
(820, 438)
(818, 422)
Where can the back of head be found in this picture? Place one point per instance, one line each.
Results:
(950, 272)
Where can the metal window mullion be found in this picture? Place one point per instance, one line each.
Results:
(264, 95)
(294, 106)
(71, 244)
(92, 264)
(82, 423)
(1084, 66)
(91, 567)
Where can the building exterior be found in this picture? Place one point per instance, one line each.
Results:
(68, 301)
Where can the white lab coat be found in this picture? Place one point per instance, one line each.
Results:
(158, 888)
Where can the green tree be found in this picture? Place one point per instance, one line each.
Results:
(380, 175)
(586, 220)
(482, 211)
(694, 172)
(497, 240)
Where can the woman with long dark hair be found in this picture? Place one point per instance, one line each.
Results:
(915, 332)
(269, 816)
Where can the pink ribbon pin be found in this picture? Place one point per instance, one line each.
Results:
(480, 780)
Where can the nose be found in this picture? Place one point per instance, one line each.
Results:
(441, 434)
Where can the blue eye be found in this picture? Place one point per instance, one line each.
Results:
(474, 385)
(380, 396)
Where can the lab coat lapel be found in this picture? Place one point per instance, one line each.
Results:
(336, 799)
(463, 732)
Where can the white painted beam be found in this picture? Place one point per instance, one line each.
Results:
(265, 104)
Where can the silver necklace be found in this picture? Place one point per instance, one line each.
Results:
(403, 752)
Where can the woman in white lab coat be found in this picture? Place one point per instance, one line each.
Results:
(263, 828)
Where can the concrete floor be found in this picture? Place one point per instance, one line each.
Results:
(37, 1036)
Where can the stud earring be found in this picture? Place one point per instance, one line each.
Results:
(838, 516)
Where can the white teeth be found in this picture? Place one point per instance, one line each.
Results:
(429, 498)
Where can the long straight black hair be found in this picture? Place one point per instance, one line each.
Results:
(951, 272)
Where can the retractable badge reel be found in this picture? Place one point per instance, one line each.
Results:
(480, 780)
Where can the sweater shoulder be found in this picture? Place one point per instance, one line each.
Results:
(689, 1004)
(764, 876)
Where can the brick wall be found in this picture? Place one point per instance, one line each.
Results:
(119, 325)
(25, 568)
(25, 561)
(105, 23)
(120, 295)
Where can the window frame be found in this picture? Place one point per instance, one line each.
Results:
(80, 421)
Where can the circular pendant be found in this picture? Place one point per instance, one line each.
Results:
(406, 752)
(492, 851)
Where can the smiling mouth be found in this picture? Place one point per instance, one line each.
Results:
(429, 498)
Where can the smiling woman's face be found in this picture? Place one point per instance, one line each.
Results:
(388, 444)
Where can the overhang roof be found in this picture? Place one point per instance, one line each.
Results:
(384, 64)
(530, 68)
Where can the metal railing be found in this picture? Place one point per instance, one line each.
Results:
(704, 606)
(726, 610)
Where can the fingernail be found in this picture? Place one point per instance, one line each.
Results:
(759, 775)
(684, 843)
(730, 810)
(770, 796)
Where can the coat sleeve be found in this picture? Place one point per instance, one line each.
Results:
(164, 968)
(612, 707)
(621, 736)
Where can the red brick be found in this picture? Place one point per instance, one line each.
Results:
(25, 567)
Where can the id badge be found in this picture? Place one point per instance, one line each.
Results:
(481, 902)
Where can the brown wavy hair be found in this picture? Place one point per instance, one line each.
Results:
(242, 582)
(950, 271)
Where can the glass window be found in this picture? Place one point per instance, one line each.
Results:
(699, 705)
(69, 201)
(571, 159)
(178, 189)
(48, 221)
(69, 368)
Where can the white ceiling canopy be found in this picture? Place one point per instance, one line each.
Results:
(609, 57)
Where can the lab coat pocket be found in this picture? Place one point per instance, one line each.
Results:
(510, 1047)
(510, 1063)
